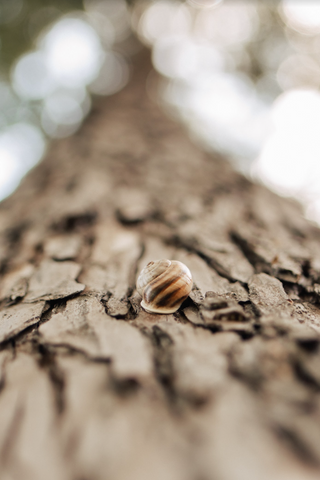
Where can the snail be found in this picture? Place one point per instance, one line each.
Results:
(164, 285)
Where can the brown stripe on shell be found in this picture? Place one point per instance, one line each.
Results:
(160, 300)
(179, 294)
(163, 281)
(171, 300)
(159, 286)
(151, 271)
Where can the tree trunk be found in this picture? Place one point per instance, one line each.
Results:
(95, 388)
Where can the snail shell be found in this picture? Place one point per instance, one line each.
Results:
(164, 285)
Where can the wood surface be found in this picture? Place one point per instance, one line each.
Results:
(93, 387)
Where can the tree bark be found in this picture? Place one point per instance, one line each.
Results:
(95, 388)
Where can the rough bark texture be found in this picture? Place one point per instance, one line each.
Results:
(94, 388)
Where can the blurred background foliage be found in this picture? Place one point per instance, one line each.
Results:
(242, 75)
(21, 21)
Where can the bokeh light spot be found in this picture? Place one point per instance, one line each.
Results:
(63, 109)
(31, 77)
(73, 52)
(289, 161)
(21, 146)
(113, 75)
(175, 56)
(164, 18)
(303, 16)
(228, 24)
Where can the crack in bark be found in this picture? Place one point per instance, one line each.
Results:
(258, 263)
(55, 375)
(124, 387)
(297, 445)
(304, 376)
(192, 247)
(73, 223)
(163, 363)
(13, 432)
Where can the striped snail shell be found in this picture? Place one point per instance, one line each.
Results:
(164, 285)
